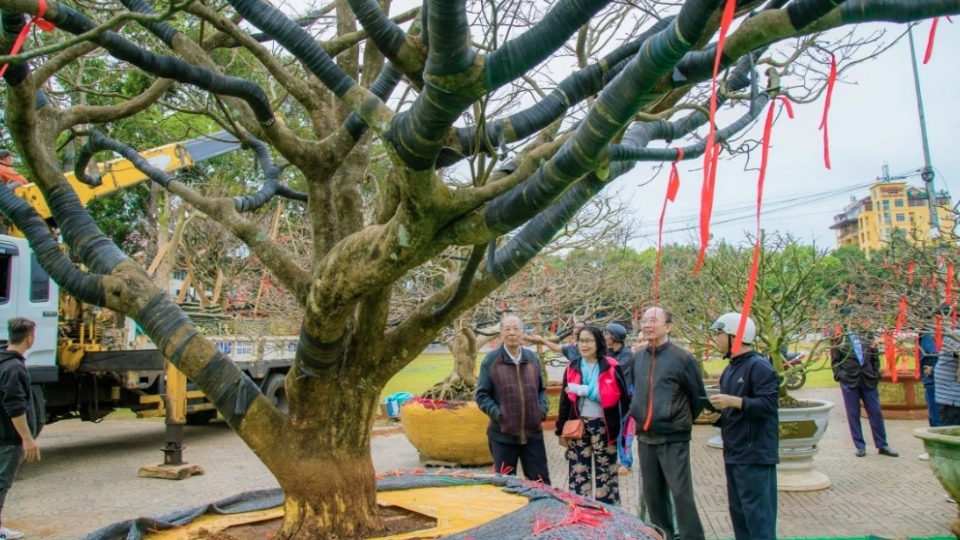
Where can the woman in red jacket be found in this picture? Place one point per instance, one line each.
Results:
(595, 393)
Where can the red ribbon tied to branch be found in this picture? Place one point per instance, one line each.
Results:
(933, 34)
(673, 186)
(755, 265)
(38, 20)
(712, 151)
(831, 81)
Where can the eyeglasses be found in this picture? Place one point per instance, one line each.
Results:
(586, 342)
(648, 321)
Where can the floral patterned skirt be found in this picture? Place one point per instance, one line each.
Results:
(592, 460)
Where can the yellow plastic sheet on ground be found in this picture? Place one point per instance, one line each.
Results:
(456, 509)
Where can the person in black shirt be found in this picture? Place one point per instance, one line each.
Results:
(18, 423)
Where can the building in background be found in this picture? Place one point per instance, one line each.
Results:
(892, 207)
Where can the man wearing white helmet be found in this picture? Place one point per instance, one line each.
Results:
(748, 402)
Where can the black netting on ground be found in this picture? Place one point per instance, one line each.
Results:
(136, 529)
(551, 513)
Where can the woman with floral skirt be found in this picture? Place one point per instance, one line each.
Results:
(595, 393)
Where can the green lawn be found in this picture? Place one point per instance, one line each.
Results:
(819, 375)
(425, 371)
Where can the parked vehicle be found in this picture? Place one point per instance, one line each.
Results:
(86, 363)
(794, 374)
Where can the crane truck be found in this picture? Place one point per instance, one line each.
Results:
(85, 362)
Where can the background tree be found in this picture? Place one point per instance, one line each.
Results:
(791, 302)
(294, 93)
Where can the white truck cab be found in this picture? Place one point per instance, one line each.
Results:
(27, 291)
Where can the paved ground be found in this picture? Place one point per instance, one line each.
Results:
(88, 479)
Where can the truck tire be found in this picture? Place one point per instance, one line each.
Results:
(37, 412)
(201, 418)
(276, 391)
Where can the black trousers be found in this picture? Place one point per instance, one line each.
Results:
(665, 470)
(752, 496)
(532, 457)
(949, 415)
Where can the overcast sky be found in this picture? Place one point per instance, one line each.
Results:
(873, 120)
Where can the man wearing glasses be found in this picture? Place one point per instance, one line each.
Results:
(666, 398)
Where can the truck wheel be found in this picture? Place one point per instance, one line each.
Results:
(276, 391)
(201, 418)
(37, 413)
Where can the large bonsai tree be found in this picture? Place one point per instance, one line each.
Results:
(315, 96)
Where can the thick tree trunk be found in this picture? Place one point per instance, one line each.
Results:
(330, 484)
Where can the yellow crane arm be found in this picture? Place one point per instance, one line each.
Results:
(120, 174)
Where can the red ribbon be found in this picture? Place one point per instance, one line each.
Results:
(712, 150)
(902, 315)
(933, 34)
(37, 19)
(755, 265)
(938, 336)
(831, 81)
(910, 269)
(673, 185)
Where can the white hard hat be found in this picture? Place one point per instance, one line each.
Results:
(728, 323)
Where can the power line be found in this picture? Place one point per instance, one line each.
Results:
(744, 212)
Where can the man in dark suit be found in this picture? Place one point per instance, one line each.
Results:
(856, 366)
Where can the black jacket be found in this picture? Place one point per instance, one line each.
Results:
(625, 358)
(751, 434)
(15, 397)
(668, 379)
(846, 367)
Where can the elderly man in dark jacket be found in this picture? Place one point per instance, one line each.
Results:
(667, 393)
(511, 391)
(856, 366)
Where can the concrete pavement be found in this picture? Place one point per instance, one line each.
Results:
(88, 479)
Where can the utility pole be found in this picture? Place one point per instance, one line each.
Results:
(927, 174)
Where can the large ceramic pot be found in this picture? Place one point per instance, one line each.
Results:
(801, 429)
(943, 445)
(452, 433)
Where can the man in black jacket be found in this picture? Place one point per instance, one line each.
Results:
(748, 403)
(18, 423)
(667, 388)
(856, 366)
(511, 391)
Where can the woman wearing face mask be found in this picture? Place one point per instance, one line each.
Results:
(596, 394)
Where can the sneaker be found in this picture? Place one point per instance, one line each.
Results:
(623, 470)
(946, 497)
(924, 457)
(10, 534)
(861, 452)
